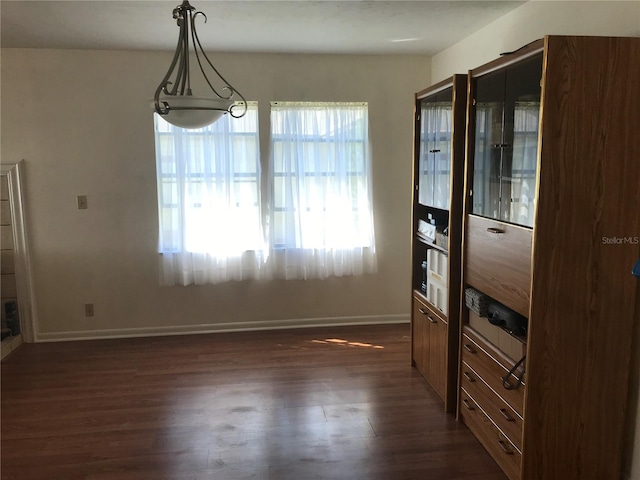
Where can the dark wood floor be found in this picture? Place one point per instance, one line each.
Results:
(332, 403)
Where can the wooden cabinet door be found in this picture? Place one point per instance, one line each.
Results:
(498, 261)
(437, 354)
(420, 339)
(429, 338)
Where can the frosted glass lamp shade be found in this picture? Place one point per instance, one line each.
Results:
(195, 112)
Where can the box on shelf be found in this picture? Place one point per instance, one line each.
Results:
(427, 231)
(437, 266)
(442, 240)
(477, 301)
(437, 295)
(437, 291)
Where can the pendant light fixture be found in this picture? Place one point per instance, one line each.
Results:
(174, 99)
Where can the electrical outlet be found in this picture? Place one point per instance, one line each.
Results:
(88, 309)
(82, 202)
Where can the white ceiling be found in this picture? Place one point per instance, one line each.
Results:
(366, 27)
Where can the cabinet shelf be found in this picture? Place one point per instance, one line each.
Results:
(522, 339)
(425, 241)
(420, 295)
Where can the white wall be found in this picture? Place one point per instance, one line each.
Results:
(83, 122)
(532, 21)
(519, 27)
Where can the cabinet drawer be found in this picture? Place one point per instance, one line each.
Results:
(495, 407)
(479, 356)
(498, 446)
(498, 261)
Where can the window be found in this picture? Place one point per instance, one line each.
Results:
(318, 211)
(321, 222)
(209, 200)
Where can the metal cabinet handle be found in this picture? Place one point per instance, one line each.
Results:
(469, 348)
(429, 317)
(434, 151)
(467, 404)
(505, 447)
(468, 376)
(494, 230)
(506, 415)
(501, 145)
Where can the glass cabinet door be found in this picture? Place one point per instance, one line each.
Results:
(506, 142)
(426, 166)
(489, 126)
(435, 150)
(521, 136)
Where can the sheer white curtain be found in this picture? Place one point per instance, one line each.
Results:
(486, 159)
(443, 124)
(427, 159)
(435, 154)
(320, 221)
(209, 201)
(525, 158)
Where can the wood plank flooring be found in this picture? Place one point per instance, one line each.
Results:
(332, 403)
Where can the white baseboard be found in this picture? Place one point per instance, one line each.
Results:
(221, 327)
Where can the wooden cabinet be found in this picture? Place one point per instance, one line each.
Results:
(553, 235)
(438, 180)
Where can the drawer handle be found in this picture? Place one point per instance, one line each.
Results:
(469, 348)
(434, 151)
(468, 376)
(504, 447)
(429, 317)
(496, 231)
(506, 415)
(467, 404)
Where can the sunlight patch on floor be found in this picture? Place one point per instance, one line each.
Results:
(346, 343)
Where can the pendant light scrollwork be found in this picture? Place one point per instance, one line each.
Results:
(174, 99)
